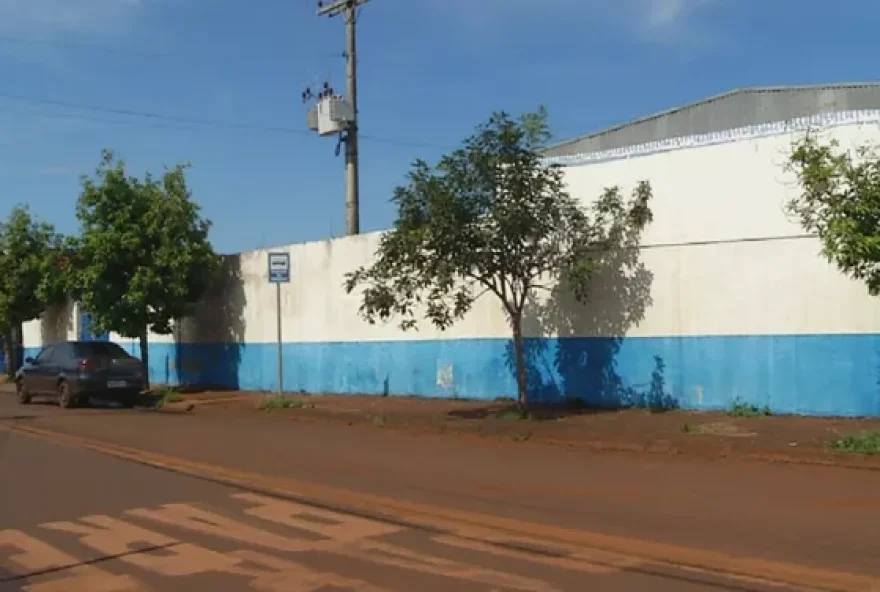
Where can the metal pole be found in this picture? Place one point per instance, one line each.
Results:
(352, 180)
(278, 317)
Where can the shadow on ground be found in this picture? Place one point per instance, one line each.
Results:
(11, 582)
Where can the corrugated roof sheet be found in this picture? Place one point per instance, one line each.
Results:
(733, 109)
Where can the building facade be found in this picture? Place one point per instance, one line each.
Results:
(728, 300)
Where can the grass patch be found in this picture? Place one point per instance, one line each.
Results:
(740, 408)
(159, 397)
(513, 414)
(280, 402)
(686, 428)
(863, 443)
(172, 397)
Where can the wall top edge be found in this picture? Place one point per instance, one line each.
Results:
(750, 132)
(364, 236)
(799, 124)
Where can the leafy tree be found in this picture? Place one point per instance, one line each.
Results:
(840, 202)
(492, 218)
(144, 257)
(31, 277)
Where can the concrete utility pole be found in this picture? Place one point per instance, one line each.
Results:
(349, 10)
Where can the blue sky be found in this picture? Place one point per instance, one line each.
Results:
(430, 70)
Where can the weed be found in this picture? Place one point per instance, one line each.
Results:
(863, 443)
(740, 408)
(521, 437)
(159, 397)
(513, 413)
(280, 402)
(172, 397)
(379, 421)
(686, 428)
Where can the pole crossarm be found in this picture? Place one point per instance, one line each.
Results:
(339, 7)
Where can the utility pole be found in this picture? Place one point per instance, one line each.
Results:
(349, 10)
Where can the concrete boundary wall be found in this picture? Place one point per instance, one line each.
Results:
(727, 300)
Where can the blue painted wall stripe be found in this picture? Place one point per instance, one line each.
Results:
(804, 374)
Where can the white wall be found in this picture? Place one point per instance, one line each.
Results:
(721, 194)
(727, 195)
(57, 324)
(721, 259)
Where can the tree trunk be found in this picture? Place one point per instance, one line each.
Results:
(9, 353)
(17, 347)
(521, 382)
(145, 359)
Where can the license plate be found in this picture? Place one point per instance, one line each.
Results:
(117, 384)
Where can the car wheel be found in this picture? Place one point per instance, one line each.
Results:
(128, 401)
(65, 401)
(24, 397)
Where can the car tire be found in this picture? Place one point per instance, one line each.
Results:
(65, 400)
(21, 392)
(128, 401)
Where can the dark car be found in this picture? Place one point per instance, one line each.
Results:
(73, 371)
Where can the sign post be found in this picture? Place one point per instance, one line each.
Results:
(279, 273)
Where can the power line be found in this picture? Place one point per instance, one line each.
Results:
(150, 114)
(54, 43)
(78, 45)
(104, 120)
(161, 117)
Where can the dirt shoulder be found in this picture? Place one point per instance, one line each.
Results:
(743, 433)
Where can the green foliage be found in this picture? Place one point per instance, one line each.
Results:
(280, 402)
(31, 268)
(491, 217)
(143, 258)
(863, 443)
(740, 408)
(513, 414)
(167, 396)
(840, 202)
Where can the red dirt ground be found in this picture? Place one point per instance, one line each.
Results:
(715, 435)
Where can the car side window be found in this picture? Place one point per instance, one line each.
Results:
(61, 354)
(45, 355)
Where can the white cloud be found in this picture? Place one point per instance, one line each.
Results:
(46, 17)
(668, 13)
(646, 20)
(680, 22)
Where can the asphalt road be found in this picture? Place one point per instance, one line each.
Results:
(73, 519)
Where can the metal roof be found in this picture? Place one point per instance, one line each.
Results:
(734, 109)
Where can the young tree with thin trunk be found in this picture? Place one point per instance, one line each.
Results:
(492, 218)
(143, 258)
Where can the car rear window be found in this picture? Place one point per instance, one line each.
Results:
(99, 349)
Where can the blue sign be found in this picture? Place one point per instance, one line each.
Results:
(279, 268)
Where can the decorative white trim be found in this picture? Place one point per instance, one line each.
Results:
(798, 124)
